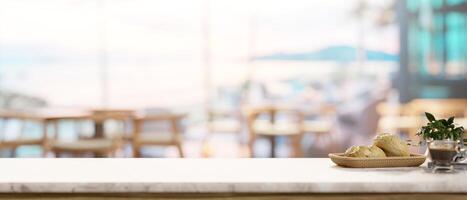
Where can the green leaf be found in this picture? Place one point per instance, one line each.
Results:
(440, 129)
(430, 117)
(438, 124)
(451, 120)
(445, 123)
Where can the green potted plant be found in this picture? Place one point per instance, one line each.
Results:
(440, 129)
(443, 138)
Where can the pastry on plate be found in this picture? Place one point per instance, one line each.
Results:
(376, 152)
(392, 145)
(365, 152)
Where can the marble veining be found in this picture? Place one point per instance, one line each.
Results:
(312, 175)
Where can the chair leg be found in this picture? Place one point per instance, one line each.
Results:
(273, 142)
(251, 145)
(44, 153)
(136, 151)
(180, 150)
(240, 144)
(45, 142)
(112, 153)
(296, 146)
(13, 152)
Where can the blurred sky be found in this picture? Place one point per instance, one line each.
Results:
(155, 47)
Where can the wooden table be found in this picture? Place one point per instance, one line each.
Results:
(13, 144)
(98, 144)
(50, 117)
(98, 116)
(271, 110)
(171, 118)
(306, 178)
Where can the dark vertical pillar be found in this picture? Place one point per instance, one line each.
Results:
(99, 129)
(272, 138)
(403, 76)
(445, 43)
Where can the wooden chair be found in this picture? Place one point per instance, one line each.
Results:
(171, 138)
(398, 118)
(224, 121)
(272, 128)
(441, 108)
(101, 145)
(408, 118)
(23, 118)
(322, 122)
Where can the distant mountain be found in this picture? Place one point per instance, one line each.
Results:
(15, 100)
(332, 53)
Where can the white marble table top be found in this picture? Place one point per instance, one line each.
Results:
(314, 175)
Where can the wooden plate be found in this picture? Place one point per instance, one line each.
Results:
(414, 160)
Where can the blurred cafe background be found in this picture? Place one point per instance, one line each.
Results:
(225, 78)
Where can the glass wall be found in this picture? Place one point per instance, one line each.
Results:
(91, 53)
(437, 54)
(208, 59)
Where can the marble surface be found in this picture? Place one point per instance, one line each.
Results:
(313, 175)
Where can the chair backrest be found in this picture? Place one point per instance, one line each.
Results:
(171, 119)
(121, 116)
(439, 107)
(113, 114)
(385, 109)
(368, 120)
(221, 113)
(320, 112)
(21, 117)
(272, 112)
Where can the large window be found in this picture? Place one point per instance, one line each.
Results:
(146, 53)
(89, 53)
(206, 58)
(437, 56)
